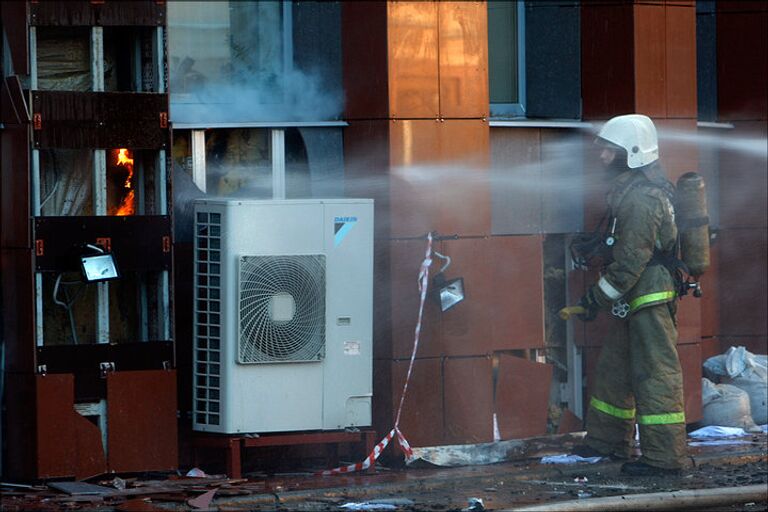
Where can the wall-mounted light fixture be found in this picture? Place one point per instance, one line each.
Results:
(447, 292)
(98, 267)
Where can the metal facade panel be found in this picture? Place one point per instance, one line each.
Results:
(689, 320)
(141, 242)
(413, 59)
(18, 288)
(743, 282)
(364, 59)
(690, 361)
(468, 400)
(680, 52)
(516, 181)
(522, 397)
(81, 359)
(141, 406)
(15, 189)
(650, 60)
(607, 73)
(563, 180)
(742, 51)
(91, 460)
(19, 462)
(86, 13)
(463, 59)
(100, 120)
(710, 301)
(516, 291)
(55, 433)
(677, 156)
(405, 260)
(422, 414)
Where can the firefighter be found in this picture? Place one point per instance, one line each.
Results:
(638, 376)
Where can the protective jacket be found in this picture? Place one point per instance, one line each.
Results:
(645, 232)
(638, 375)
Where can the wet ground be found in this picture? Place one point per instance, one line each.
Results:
(499, 486)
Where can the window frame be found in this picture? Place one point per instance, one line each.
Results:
(518, 109)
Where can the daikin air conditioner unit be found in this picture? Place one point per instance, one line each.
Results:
(283, 315)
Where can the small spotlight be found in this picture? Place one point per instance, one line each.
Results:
(99, 267)
(448, 293)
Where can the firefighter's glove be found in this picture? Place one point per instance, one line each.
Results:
(590, 304)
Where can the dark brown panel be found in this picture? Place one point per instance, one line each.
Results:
(83, 13)
(15, 188)
(18, 310)
(413, 60)
(468, 400)
(650, 75)
(13, 18)
(422, 417)
(607, 74)
(463, 56)
(742, 51)
(690, 361)
(56, 436)
(364, 54)
(141, 408)
(100, 120)
(13, 103)
(522, 397)
(743, 282)
(136, 241)
(18, 435)
(689, 320)
(77, 359)
(677, 156)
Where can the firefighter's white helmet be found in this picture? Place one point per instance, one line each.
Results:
(636, 134)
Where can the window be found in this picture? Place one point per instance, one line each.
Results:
(248, 61)
(506, 58)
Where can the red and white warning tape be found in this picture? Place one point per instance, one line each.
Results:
(395, 432)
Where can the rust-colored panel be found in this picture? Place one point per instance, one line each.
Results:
(681, 61)
(690, 361)
(710, 347)
(650, 60)
(516, 291)
(382, 396)
(677, 155)
(56, 435)
(414, 177)
(15, 189)
(515, 180)
(364, 64)
(141, 410)
(710, 300)
(463, 57)
(413, 59)
(468, 400)
(422, 416)
(689, 320)
(464, 195)
(18, 309)
(406, 257)
(91, 460)
(466, 329)
(569, 422)
(100, 120)
(13, 19)
(743, 282)
(755, 344)
(742, 51)
(522, 397)
(607, 73)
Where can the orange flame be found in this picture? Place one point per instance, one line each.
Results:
(127, 206)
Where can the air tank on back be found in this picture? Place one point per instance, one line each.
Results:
(693, 222)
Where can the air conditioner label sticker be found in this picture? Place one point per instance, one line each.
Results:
(341, 228)
(352, 348)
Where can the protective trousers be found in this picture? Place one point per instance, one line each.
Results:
(639, 380)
